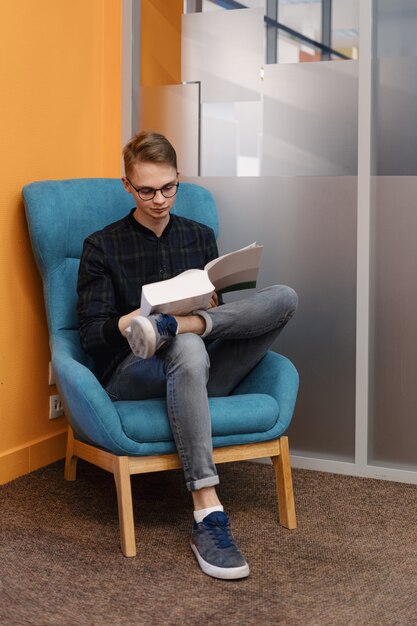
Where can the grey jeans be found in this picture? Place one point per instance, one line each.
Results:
(188, 369)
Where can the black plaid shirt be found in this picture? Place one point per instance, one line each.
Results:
(116, 262)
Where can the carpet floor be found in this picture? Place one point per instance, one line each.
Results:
(351, 561)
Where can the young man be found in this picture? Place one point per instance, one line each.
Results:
(185, 358)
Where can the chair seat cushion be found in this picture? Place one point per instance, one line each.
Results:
(147, 421)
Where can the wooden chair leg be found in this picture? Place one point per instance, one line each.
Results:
(125, 505)
(70, 472)
(283, 482)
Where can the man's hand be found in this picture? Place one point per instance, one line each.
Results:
(214, 301)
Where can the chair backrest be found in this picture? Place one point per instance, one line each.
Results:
(61, 214)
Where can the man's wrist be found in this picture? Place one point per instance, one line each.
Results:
(111, 332)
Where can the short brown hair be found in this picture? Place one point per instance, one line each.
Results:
(148, 147)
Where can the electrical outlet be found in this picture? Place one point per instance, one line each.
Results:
(56, 408)
(51, 375)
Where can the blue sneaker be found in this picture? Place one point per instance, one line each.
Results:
(147, 334)
(215, 549)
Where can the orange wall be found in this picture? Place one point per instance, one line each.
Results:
(160, 42)
(60, 117)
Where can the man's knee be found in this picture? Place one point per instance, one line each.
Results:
(188, 351)
(286, 298)
(291, 297)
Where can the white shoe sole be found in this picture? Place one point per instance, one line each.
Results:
(225, 573)
(141, 337)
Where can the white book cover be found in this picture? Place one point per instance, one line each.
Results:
(192, 290)
(189, 291)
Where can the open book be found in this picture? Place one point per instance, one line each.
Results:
(192, 290)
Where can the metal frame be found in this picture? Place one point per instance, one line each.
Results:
(326, 28)
(272, 31)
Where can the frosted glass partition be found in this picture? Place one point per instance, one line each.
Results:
(230, 138)
(224, 50)
(310, 119)
(393, 388)
(308, 227)
(393, 430)
(395, 103)
(173, 110)
(395, 28)
(395, 88)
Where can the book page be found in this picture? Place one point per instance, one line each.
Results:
(236, 270)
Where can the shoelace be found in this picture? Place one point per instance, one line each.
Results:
(220, 531)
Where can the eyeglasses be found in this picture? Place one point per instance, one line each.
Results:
(148, 193)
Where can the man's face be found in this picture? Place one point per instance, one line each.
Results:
(153, 213)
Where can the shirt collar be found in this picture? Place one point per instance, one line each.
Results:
(146, 231)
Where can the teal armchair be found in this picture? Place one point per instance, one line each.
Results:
(133, 437)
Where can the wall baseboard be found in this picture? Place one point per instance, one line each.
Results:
(32, 456)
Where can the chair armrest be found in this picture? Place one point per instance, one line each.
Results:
(276, 376)
(87, 406)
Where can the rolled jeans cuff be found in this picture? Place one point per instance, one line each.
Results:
(207, 319)
(195, 485)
